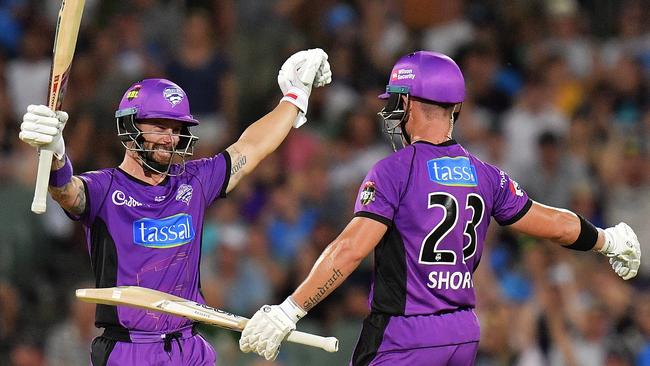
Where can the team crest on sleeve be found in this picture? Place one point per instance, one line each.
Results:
(367, 193)
(184, 193)
(515, 189)
(173, 95)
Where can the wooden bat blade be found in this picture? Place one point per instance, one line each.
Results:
(149, 299)
(65, 41)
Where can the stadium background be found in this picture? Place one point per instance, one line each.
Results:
(558, 96)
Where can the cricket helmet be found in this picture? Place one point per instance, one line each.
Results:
(155, 99)
(430, 76)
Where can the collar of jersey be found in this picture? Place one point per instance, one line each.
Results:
(164, 182)
(445, 143)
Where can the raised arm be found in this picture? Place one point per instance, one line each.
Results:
(296, 78)
(43, 128)
(259, 140)
(619, 243)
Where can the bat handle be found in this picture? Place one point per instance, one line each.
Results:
(329, 344)
(42, 181)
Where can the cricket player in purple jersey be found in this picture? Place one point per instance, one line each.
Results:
(425, 211)
(143, 219)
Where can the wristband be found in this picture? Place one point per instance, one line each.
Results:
(62, 176)
(587, 238)
(297, 97)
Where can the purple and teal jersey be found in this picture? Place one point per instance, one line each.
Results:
(437, 201)
(150, 236)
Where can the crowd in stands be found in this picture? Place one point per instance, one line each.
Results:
(558, 97)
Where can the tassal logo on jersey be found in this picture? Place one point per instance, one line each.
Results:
(448, 171)
(167, 232)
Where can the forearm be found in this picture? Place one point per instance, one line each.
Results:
(267, 133)
(556, 224)
(66, 189)
(71, 196)
(335, 264)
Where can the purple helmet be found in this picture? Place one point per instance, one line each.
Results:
(149, 99)
(156, 98)
(428, 75)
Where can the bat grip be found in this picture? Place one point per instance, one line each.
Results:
(329, 344)
(42, 181)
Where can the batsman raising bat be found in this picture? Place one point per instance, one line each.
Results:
(143, 219)
(425, 211)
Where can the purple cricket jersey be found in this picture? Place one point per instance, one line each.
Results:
(150, 236)
(437, 201)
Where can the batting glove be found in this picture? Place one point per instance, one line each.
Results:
(43, 128)
(298, 74)
(623, 249)
(270, 325)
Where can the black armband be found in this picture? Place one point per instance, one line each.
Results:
(587, 238)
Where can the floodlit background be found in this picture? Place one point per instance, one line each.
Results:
(558, 96)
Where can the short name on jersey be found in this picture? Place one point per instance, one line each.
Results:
(449, 171)
(167, 232)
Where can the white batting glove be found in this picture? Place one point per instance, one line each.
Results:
(623, 249)
(270, 325)
(43, 128)
(298, 74)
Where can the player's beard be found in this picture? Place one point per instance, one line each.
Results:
(159, 153)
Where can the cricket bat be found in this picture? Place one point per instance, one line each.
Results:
(145, 298)
(65, 40)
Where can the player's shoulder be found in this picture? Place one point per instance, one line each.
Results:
(100, 174)
(400, 159)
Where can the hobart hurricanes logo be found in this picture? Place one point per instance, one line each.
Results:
(173, 95)
(167, 232)
(184, 193)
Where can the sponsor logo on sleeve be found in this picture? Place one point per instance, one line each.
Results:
(167, 232)
(367, 193)
(515, 189)
(184, 193)
(457, 172)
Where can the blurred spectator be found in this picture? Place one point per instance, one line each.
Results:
(628, 194)
(567, 26)
(32, 67)
(203, 70)
(559, 99)
(532, 114)
(67, 343)
(556, 172)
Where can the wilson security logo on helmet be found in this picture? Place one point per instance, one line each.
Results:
(167, 232)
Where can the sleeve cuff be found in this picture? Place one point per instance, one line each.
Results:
(386, 221)
(518, 215)
(226, 179)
